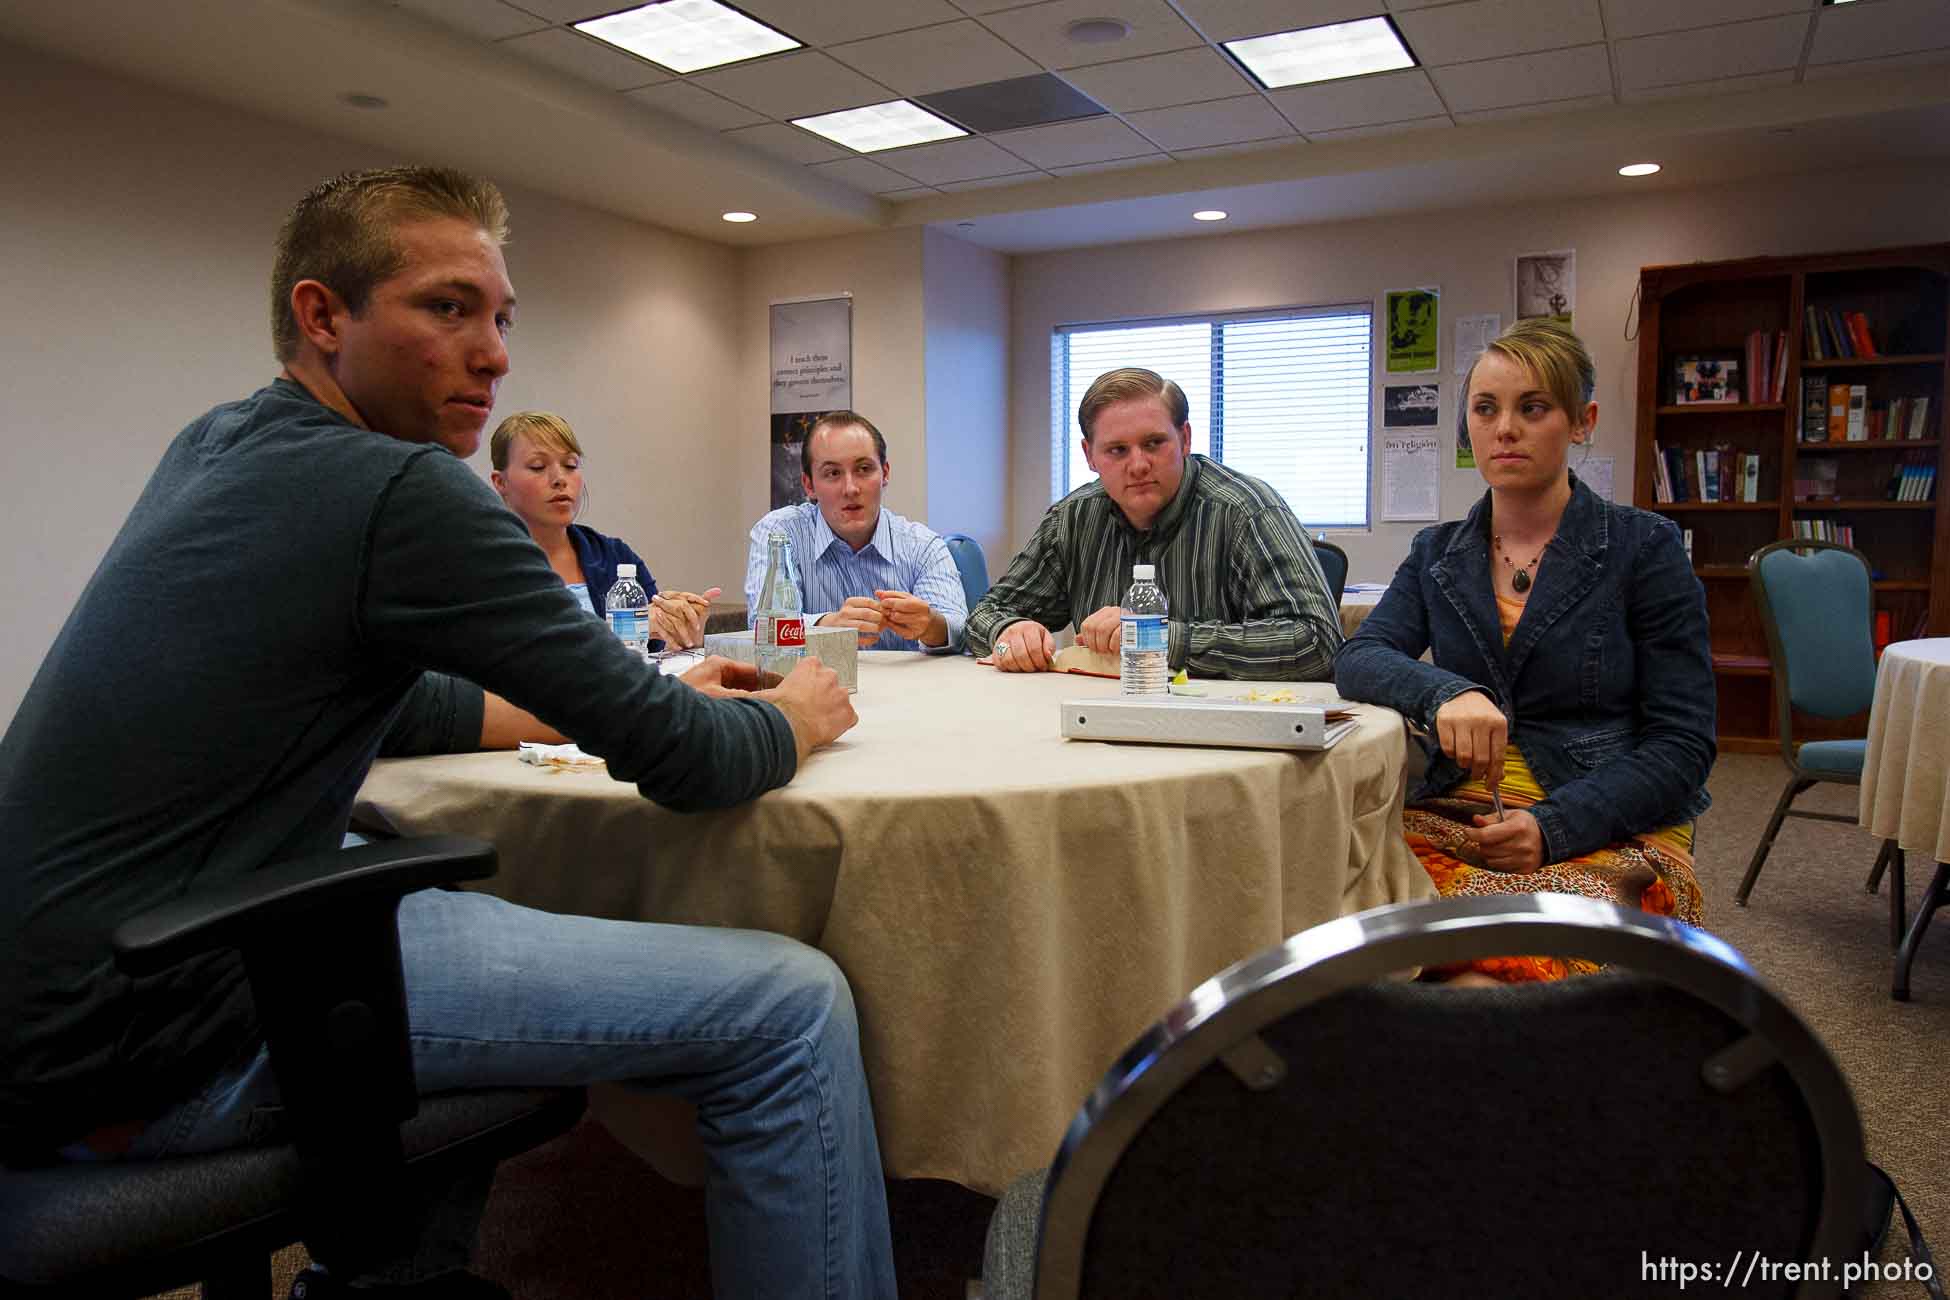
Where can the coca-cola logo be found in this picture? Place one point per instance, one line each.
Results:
(792, 631)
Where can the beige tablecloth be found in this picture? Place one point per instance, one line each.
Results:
(1906, 774)
(1011, 909)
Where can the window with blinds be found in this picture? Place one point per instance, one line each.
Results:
(1283, 396)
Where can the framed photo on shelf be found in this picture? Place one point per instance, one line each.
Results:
(1707, 378)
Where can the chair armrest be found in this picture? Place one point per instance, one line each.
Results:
(237, 912)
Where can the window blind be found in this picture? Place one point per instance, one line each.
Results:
(1283, 396)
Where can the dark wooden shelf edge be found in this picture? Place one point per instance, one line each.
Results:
(1847, 363)
(1876, 503)
(1865, 444)
(1724, 408)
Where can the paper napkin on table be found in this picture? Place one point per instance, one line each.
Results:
(559, 757)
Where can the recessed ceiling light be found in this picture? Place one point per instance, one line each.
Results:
(1208, 214)
(359, 99)
(688, 35)
(1638, 169)
(1097, 31)
(740, 218)
(881, 126)
(1323, 53)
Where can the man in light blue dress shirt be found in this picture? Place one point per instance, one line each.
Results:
(889, 578)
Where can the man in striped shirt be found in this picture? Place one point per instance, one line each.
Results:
(1247, 596)
(889, 578)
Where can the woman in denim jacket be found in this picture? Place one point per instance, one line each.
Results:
(1571, 673)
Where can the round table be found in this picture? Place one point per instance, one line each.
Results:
(1906, 770)
(1011, 908)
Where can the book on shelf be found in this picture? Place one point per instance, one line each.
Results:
(1749, 476)
(1708, 465)
(1838, 412)
(1686, 538)
(1858, 411)
(1914, 478)
(1766, 365)
(1661, 475)
(1919, 414)
(1814, 408)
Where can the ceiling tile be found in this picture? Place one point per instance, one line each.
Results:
(920, 62)
(1387, 128)
(1625, 19)
(993, 182)
(587, 58)
(1491, 29)
(1401, 6)
(952, 160)
(1879, 30)
(1730, 51)
(695, 104)
(1895, 63)
(1251, 146)
(1230, 20)
(1358, 101)
(828, 22)
(1524, 79)
(1035, 100)
(794, 85)
(863, 174)
(1160, 80)
(490, 20)
(1722, 86)
(570, 11)
(1039, 30)
(1068, 144)
(1222, 121)
(1535, 110)
(1114, 165)
(789, 143)
(908, 196)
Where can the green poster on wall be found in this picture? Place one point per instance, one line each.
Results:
(1411, 330)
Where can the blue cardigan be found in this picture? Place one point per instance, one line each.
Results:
(599, 554)
(1607, 681)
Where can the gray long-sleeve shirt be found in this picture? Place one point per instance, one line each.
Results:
(215, 699)
(1248, 599)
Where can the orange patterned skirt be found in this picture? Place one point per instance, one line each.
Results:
(1652, 872)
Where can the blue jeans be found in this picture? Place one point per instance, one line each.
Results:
(755, 1030)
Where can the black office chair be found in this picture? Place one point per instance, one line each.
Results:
(970, 564)
(365, 1154)
(1304, 1124)
(1333, 563)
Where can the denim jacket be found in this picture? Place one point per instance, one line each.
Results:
(1607, 680)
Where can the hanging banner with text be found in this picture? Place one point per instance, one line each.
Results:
(812, 373)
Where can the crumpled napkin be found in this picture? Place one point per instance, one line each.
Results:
(559, 758)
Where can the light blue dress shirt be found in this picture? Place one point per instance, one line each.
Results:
(900, 556)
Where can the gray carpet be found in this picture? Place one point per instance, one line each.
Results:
(582, 1219)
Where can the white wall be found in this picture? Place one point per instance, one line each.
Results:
(966, 309)
(1468, 254)
(883, 273)
(136, 231)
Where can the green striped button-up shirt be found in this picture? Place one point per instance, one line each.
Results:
(1247, 597)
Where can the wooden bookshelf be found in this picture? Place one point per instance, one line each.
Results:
(1708, 309)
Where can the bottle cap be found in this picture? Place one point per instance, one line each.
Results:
(1143, 572)
(626, 570)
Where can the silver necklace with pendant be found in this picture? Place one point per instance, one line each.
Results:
(1520, 580)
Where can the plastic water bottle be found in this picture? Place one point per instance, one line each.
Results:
(779, 625)
(1147, 641)
(628, 609)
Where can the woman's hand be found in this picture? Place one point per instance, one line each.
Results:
(1515, 844)
(677, 617)
(1474, 732)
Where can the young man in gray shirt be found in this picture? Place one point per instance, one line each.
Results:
(218, 693)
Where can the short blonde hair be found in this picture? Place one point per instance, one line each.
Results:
(1554, 355)
(1128, 384)
(548, 431)
(342, 233)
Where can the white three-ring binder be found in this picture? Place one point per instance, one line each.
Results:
(1178, 720)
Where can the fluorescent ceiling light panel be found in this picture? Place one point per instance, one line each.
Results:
(688, 35)
(1322, 53)
(881, 126)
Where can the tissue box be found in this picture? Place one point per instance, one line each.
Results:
(836, 647)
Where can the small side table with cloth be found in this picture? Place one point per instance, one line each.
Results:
(1011, 909)
(1906, 773)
